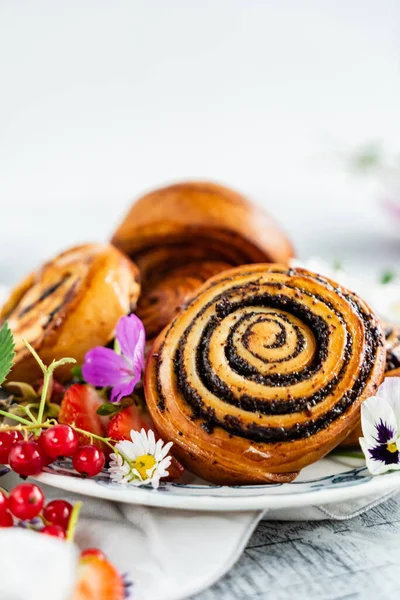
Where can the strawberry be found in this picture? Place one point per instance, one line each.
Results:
(79, 407)
(132, 417)
(98, 578)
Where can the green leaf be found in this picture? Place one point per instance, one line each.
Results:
(76, 372)
(6, 351)
(108, 409)
(387, 277)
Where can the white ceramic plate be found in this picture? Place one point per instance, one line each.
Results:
(326, 481)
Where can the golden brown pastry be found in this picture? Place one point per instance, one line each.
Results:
(392, 369)
(392, 335)
(263, 373)
(71, 304)
(181, 235)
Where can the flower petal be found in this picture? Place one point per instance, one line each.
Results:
(151, 442)
(131, 337)
(121, 390)
(389, 390)
(378, 421)
(375, 466)
(103, 368)
(163, 450)
(127, 448)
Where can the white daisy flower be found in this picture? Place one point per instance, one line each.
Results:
(380, 421)
(141, 461)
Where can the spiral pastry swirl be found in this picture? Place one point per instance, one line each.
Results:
(263, 373)
(392, 369)
(72, 303)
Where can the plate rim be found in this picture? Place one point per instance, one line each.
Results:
(207, 503)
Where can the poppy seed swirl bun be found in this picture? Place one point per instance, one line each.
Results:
(263, 373)
(392, 369)
(71, 304)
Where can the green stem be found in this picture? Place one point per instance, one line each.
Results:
(28, 412)
(49, 423)
(348, 453)
(29, 426)
(73, 520)
(106, 441)
(48, 376)
(15, 417)
(36, 355)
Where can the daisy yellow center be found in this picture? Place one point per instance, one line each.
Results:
(392, 447)
(143, 463)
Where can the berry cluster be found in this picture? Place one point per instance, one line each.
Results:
(28, 456)
(25, 507)
(26, 503)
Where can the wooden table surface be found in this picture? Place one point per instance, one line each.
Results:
(324, 560)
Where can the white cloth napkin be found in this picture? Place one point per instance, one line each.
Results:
(168, 554)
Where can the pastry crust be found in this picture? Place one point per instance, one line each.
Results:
(263, 373)
(392, 369)
(71, 304)
(181, 235)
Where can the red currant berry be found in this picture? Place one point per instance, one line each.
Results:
(58, 512)
(55, 531)
(3, 503)
(7, 441)
(89, 460)
(93, 552)
(26, 458)
(26, 501)
(6, 519)
(58, 441)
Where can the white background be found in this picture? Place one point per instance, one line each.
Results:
(103, 100)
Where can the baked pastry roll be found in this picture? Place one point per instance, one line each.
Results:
(392, 335)
(263, 373)
(71, 304)
(181, 235)
(392, 369)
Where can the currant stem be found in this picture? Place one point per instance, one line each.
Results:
(29, 426)
(28, 412)
(35, 355)
(106, 441)
(48, 376)
(47, 379)
(15, 417)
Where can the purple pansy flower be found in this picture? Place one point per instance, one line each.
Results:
(380, 421)
(104, 367)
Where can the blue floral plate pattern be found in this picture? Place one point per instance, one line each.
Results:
(325, 482)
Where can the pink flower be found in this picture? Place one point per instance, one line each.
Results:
(104, 367)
